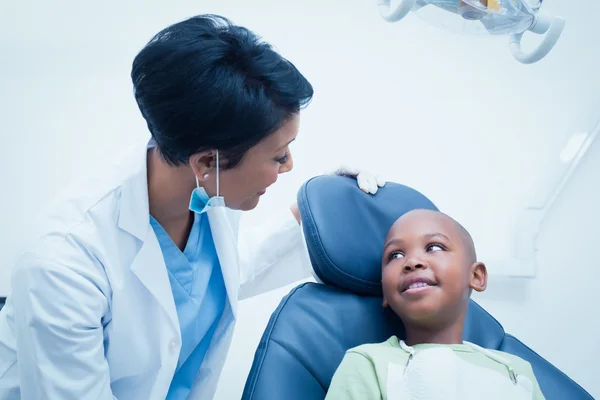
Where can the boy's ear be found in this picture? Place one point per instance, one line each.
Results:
(385, 303)
(478, 277)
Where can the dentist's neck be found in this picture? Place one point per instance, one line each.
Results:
(169, 191)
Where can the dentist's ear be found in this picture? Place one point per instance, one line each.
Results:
(202, 164)
(478, 277)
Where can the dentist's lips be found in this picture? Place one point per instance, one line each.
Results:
(262, 192)
(417, 284)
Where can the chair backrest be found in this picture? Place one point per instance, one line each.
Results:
(309, 333)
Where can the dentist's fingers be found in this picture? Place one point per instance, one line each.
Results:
(347, 171)
(367, 182)
(372, 183)
(363, 184)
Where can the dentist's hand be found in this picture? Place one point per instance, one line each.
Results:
(367, 182)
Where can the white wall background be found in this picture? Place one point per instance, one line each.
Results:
(455, 117)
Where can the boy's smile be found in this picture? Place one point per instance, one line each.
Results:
(417, 284)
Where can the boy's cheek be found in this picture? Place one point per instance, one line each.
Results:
(389, 287)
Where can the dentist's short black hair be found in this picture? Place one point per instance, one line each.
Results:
(205, 83)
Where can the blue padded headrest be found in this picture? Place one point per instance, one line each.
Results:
(346, 251)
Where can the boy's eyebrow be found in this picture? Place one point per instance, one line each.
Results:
(437, 234)
(391, 243)
(427, 236)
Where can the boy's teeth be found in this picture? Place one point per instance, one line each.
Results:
(417, 285)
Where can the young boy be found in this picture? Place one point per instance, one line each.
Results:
(429, 269)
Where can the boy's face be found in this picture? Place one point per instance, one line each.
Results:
(429, 269)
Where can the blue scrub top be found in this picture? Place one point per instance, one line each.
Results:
(199, 292)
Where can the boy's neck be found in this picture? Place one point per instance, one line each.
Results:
(451, 334)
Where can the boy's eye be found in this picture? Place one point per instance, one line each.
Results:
(394, 255)
(435, 247)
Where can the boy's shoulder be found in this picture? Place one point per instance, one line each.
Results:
(519, 364)
(521, 367)
(371, 350)
(393, 341)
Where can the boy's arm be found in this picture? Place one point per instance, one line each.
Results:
(354, 379)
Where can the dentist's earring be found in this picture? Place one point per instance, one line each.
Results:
(206, 175)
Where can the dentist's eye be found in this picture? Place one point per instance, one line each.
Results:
(394, 255)
(284, 159)
(435, 247)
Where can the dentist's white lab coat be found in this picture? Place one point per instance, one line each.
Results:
(91, 314)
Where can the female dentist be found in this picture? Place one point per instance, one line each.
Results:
(130, 291)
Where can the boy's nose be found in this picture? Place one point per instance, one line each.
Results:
(414, 264)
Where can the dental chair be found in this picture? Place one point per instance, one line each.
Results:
(315, 324)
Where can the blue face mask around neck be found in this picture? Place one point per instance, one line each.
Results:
(200, 201)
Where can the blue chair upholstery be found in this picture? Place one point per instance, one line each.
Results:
(309, 333)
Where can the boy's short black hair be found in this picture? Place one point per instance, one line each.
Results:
(204, 84)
